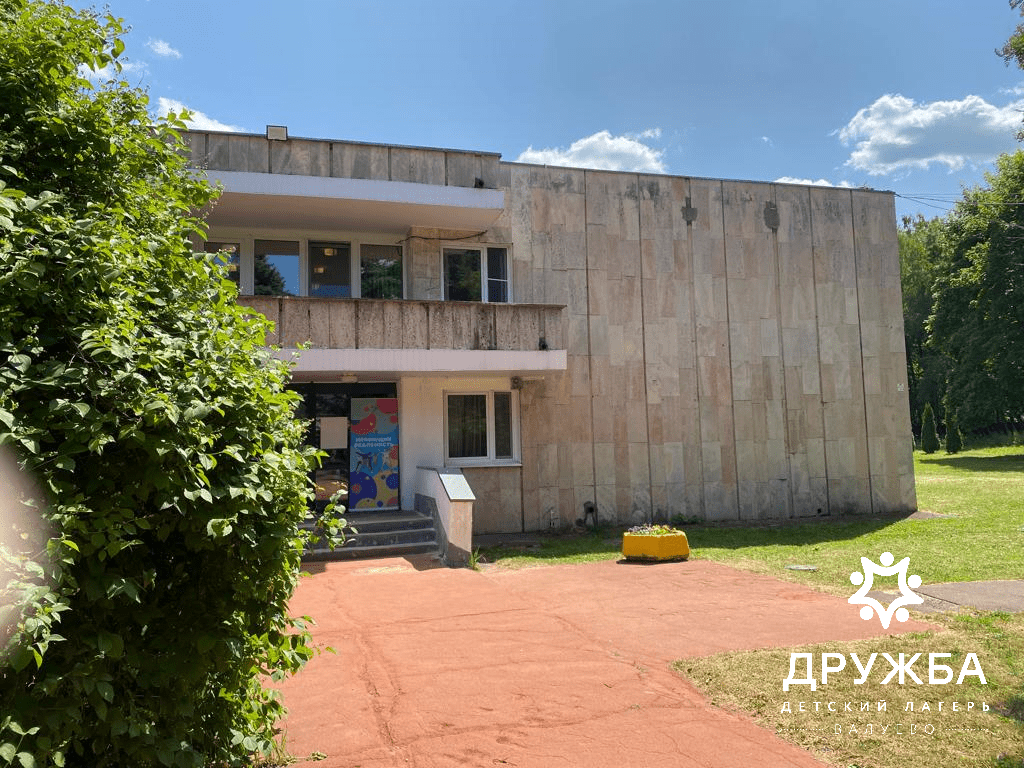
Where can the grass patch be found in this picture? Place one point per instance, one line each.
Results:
(605, 543)
(752, 682)
(982, 490)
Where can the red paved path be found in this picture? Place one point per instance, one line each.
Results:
(550, 666)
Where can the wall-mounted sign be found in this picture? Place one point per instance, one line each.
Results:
(333, 432)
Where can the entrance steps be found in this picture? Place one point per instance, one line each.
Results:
(382, 534)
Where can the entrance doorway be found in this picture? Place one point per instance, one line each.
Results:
(356, 425)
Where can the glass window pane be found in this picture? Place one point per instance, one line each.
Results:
(497, 274)
(467, 426)
(497, 263)
(497, 291)
(503, 425)
(330, 274)
(276, 268)
(461, 275)
(229, 257)
(380, 271)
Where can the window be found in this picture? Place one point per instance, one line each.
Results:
(380, 271)
(276, 268)
(481, 428)
(330, 270)
(229, 253)
(476, 274)
(342, 266)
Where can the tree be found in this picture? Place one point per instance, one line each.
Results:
(1013, 48)
(268, 280)
(929, 439)
(954, 439)
(139, 396)
(977, 320)
(922, 255)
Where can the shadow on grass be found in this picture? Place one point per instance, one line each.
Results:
(788, 534)
(604, 541)
(1013, 708)
(607, 541)
(1011, 463)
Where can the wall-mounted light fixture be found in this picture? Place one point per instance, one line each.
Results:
(277, 132)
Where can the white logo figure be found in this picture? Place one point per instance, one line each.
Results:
(907, 586)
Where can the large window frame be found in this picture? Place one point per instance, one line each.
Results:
(507, 400)
(487, 254)
(307, 241)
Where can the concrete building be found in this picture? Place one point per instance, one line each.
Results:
(543, 338)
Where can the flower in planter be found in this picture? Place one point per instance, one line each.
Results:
(652, 529)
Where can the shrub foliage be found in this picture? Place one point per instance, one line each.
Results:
(954, 438)
(138, 395)
(929, 437)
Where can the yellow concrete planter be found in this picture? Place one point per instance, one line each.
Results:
(670, 546)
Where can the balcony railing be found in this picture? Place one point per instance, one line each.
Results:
(411, 324)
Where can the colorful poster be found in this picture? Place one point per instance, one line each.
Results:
(373, 454)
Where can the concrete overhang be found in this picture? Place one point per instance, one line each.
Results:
(395, 363)
(274, 200)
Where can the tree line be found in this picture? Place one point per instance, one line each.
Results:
(963, 303)
(963, 307)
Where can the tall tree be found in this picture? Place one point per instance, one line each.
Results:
(977, 320)
(929, 437)
(922, 254)
(1013, 48)
(140, 397)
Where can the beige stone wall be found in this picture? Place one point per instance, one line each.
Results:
(735, 349)
(398, 324)
(343, 159)
(499, 501)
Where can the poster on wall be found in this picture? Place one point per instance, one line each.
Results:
(373, 454)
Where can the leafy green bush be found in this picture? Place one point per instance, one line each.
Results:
(929, 438)
(139, 396)
(954, 438)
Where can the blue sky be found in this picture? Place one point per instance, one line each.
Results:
(891, 94)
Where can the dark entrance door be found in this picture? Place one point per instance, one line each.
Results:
(328, 409)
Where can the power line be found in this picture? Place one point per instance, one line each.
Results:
(931, 199)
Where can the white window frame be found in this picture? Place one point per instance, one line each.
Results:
(481, 249)
(490, 460)
(246, 238)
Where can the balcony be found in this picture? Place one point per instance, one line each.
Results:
(381, 336)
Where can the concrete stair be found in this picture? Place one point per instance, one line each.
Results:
(382, 534)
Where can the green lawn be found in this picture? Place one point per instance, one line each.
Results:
(750, 681)
(982, 490)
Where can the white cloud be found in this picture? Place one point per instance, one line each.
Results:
(812, 182)
(163, 48)
(603, 151)
(103, 74)
(898, 134)
(197, 120)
